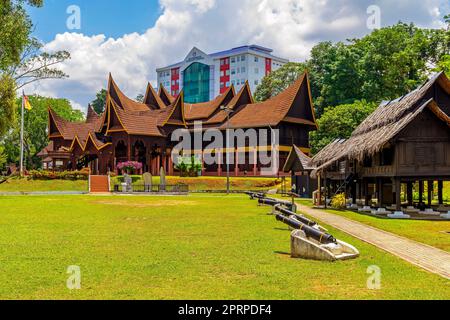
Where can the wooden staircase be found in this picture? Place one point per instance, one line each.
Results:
(99, 184)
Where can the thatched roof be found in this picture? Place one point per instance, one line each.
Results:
(384, 124)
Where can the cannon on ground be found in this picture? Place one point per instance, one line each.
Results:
(276, 202)
(311, 232)
(255, 195)
(301, 218)
(310, 243)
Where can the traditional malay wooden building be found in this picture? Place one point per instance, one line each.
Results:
(133, 131)
(403, 142)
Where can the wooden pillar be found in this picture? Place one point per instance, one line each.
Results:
(319, 191)
(158, 164)
(409, 193)
(366, 192)
(379, 191)
(357, 191)
(430, 192)
(441, 191)
(420, 191)
(397, 187)
(165, 162)
(129, 148)
(325, 190)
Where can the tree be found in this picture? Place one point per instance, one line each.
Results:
(383, 65)
(2, 158)
(35, 124)
(339, 122)
(7, 99)
(140, 98)
(36, 65)
(444, 65)
(277, 81)
(99, 103)
(21, 58)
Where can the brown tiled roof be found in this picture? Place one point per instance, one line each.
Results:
(270, 112)
(204, 110)
(152, 98)
(69, 130)
(92, 116)
(138, 122)
(44, 152)
(174, 115)
(243, 97)
(92, 138)
(122, 100)
(136, 118)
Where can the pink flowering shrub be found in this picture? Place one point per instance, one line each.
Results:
(129, 165)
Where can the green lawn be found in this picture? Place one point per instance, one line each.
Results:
(25, 185)
(433, 233)
(192, 247)
(195, 184)
(215, 183)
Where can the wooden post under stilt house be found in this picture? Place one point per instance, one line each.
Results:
(441, 192)
(398, 201)
(409, 193)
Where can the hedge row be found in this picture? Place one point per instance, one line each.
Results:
(64, 175)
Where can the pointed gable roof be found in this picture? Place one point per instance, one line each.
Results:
(135, 118)
(152, 99)
(174, 115)
(204, 110)
(242, 98)
(122, 100)
(166, 97)
(92, 116)
(274, 110)
(297, 161)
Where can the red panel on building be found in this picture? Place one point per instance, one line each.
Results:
(175, 82)
(224, 74)
(268, 66)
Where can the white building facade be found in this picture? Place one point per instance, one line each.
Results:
(203, 76)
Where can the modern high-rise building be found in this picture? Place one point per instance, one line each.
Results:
(203, 76)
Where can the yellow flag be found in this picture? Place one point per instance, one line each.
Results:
(26, 103)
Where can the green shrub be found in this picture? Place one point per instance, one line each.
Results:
(64, 175)
(339, 201)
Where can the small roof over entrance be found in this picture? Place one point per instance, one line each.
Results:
(298, 161)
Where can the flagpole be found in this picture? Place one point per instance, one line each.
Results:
(21, 136)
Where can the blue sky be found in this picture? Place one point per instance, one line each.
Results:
(113, 18)
(132, 38)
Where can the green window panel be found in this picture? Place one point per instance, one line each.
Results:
(196, 83)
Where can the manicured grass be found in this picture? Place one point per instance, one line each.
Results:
(433, 233)
(195, 184)
(192, 247)
(215, 183)
(25, 185)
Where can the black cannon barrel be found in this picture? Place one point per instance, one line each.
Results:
(269, 202)
(300, 218)
(274, 202)
(318, 235)
(253, 195)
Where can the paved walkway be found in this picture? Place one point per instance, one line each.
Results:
(422, 255)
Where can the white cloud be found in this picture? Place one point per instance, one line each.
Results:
(291, 27)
